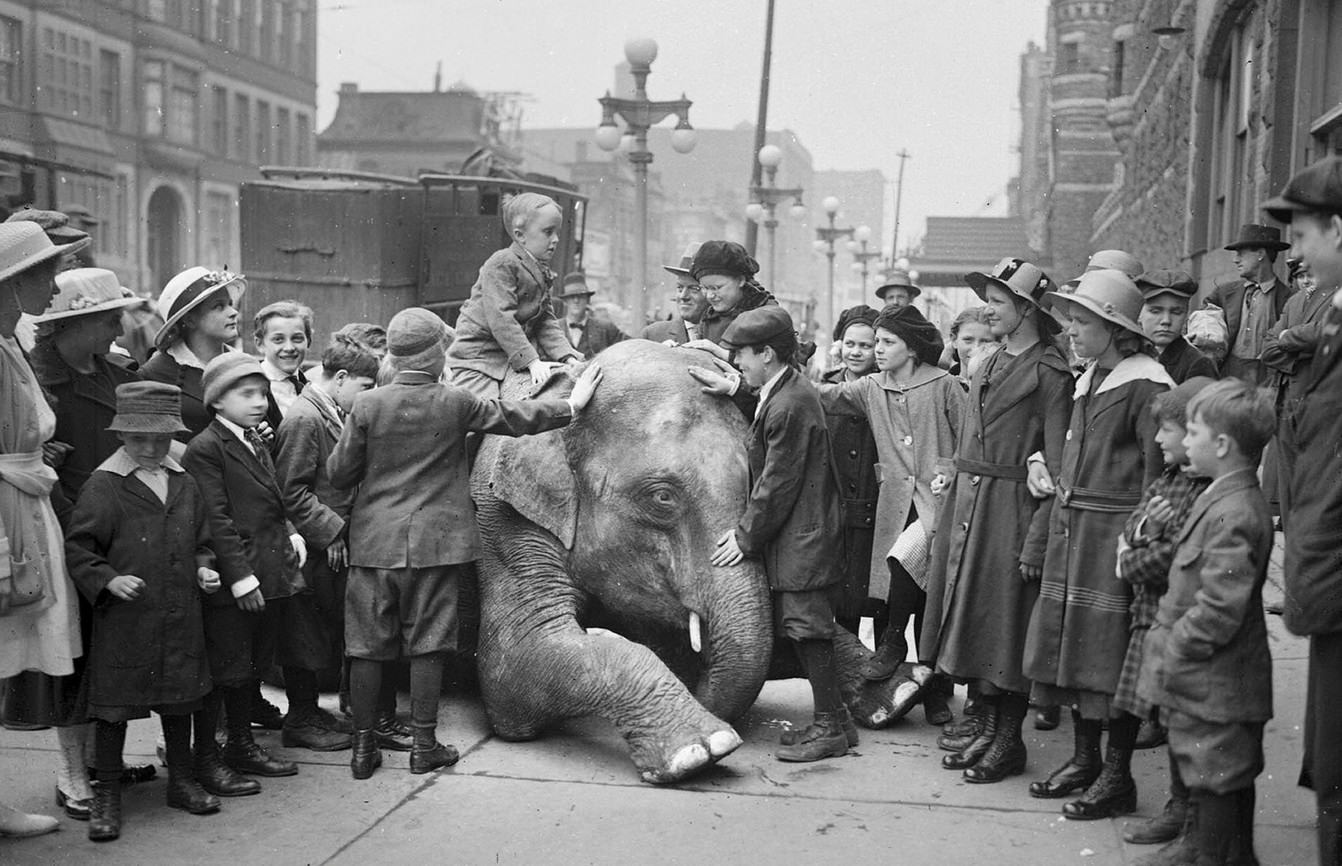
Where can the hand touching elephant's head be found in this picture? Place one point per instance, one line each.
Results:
(637, 491)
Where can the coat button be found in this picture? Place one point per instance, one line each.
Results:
(908, 440)
(853, 453)
(973, 479)
(1069, 435)
(964, 527)
(867, 521)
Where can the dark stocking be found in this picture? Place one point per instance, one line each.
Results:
(238, 711)
(426, 687)
(206, 721)
(300, 686)
(177, 741)
(109, 742)
(817, 660)
(906, 600)
(386, 701)
(365, 681)
(1122, 739)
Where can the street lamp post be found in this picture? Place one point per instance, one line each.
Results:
(861, 255)
(639, 115)
(825, 238)
(765, 199)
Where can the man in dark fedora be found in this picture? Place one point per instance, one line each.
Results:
(691, 305)
(588, 334)
(898, 289)
(1252, 302)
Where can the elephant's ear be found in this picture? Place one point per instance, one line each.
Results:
(532, 475)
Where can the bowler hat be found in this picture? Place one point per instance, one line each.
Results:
(758, 326)
(723, 257)
(83, 291)
(686, 259)
(575, 286)
(56, 225)
(225, 371)
(1017, 276)
(23, 245)
(898, 278)
(148, 407)
(1166, 281)
(1318, 187)
(1109, 294)
(1116, 260)
(188, 290)
(1256, 237)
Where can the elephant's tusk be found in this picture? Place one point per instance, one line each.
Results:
(696, 641)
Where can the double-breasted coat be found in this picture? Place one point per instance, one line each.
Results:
(792, 513)
(855, 464)
(1078, 633)
(978, 606)
(915, 424)
(151, 651)
(1207, 653)
(508, 322)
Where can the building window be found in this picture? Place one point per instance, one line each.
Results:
(262, 132)
(218, 228)
(282, 154)
(119, 227)
(65, 78)
(1231, 180)
(183, 107)
(152, 98)
(109, 87)
(242, 131)
(219, 121)
(1321, 76)
(267, 38)
(11, 49)
(285, 36)
(305, 61)
(1070, 57)
(1116, 69)
(246, 26)
(223, 23)
(302, 137)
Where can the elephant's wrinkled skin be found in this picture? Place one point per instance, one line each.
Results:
(617, 515)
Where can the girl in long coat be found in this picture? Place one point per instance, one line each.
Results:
(989, 548)
(1078, 633)
(855, 463)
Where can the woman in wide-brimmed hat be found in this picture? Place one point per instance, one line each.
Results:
(39, 627)
(73, 366)
(1078, 631)
(981, 591)
(200, 322)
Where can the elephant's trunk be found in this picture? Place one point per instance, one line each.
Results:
(737, 633)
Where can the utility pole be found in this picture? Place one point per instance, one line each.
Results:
(899, 199)
(761, 124)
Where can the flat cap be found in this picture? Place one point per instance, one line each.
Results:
(414, 330)
(1165, 280)
(758, 326)
(1316, 188)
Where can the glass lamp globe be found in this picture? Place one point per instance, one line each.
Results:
(862, 234)
(770, 156)
(798, 211)
(683, 139)
(640, 51)
(830, 204)
(607, 136)
(754, 211)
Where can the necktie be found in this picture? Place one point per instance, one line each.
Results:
(297, 382)
(261, 450)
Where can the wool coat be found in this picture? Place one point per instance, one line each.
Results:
(1229, 297)
(1183, 361)
(915, 424)
(1207, 653)
(1313, 572)
(404, 448)
(597, 336)
(303, 444)
(792, 513)
(248, 524)
(855, 464)
(978, 606)
(1078, 633)
(508, 322)
(150, 651)
(162, 367)
(85, 405)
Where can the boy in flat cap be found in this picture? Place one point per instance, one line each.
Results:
(1312, 204)
(791, 519)
(1252, 302)
(1165, 298)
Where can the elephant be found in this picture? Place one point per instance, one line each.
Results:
(611, 521)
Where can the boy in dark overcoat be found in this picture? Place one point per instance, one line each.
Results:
(792, 518)
(264, 612)
(1207, 663)
(412, 528)
(138, 549)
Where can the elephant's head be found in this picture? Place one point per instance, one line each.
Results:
(637, 491)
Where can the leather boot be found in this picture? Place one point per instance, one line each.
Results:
(216, 777)
(1047, 718)
(244, 755)
(427, 754)
(1170, 822)
(1006, 756)
(891, 652)
(978, 747)
(185, 793)
(1114, 792)
(392, 733)
(1080, 770)
(936, 700)
(105, 816)
(823, 738)
(366, 757)
(1216, 830)
(794, 736)
(1152, 735)
(20, 825)
(971, 722)
(1180, 851)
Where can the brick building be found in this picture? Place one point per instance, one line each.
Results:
(155, 111)
(1210, 106)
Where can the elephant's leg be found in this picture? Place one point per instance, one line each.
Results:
(876, 704)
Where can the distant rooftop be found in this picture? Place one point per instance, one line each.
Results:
(406, 117)
(953, 246)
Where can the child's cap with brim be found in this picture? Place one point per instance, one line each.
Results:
(148, 407)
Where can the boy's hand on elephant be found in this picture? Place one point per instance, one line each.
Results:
(728, 552)
(714, 382)
(540, 371)
(584, 388)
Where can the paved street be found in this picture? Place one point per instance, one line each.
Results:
(574, 798)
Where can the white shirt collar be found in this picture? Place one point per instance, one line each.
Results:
(237, 431)
(121, 463)
(183, 355)
(768, 389)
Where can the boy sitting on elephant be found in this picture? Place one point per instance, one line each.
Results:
(792, 516)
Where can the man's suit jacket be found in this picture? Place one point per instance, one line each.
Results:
(1313, 572)
(1207, 654)
(507, 322)
(404, 446)
(248, 526)
(303, 443)
(597, 336)
(1230, 298)
(668, 329)
(792, 515)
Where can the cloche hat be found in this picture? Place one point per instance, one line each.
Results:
(148, 407)
(83, 291)
(188, 290)
(1109, 294)
(727, 258)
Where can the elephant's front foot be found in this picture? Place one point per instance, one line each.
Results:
(880, 704)
(664, 759)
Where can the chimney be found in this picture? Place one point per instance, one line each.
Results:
(349, 87)
(438, 78)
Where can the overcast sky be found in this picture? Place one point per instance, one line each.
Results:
(856, 79)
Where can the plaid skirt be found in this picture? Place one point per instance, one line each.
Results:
(1125, 696)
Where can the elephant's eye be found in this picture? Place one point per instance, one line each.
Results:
(660, 498)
